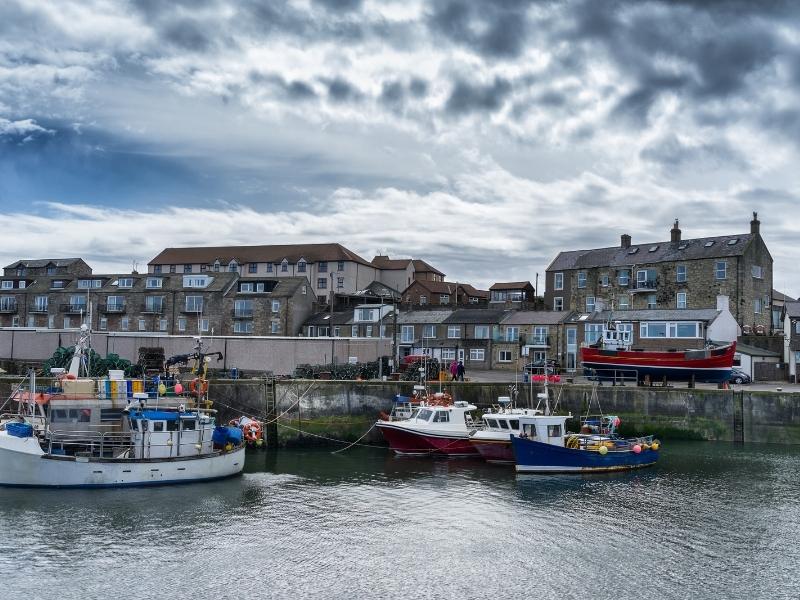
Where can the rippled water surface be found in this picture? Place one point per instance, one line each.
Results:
(710, 521)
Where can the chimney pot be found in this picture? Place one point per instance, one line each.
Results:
(755, 224)
(625, 240)
(675, 232)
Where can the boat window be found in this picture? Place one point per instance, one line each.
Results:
(158, 425)
(442, 416)
(529, 430)
(172, 425)
(514, 424)
(492, 423)
(73, 415)
(554, 430)
(188, 424)
(503, 424)
(424, 415)
(59, 415)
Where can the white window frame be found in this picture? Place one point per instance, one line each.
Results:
(505, 356)
(680, 300)
(204, 325)
(275, 327)
(276, 306)
(680, 274)
(624, 277)
(453, 332)
(429, 331)
(154, 283)
(757, 306)
(581, 279)
(444, 298)
(627, 303)
(484, 330)
(721, 273)
(592, 304)
(757, 272)
(194, 302)
(558, 303)
(477, 354)
(558, 281)
(406, 333)
(181, 323)
(511, 333)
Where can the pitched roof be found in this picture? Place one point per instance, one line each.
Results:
(654, 314)
(692, 249)
(511, 285)
(534, 317)
(776, 295)
(755, 351)
(471, 291)
(420, 266)
(43, 262)
(793, 309)
(449, 287)
(389, 264)
(326, 318)
(253, 254)
(476, 315)
(422, 316)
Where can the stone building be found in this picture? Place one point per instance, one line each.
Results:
(423, 293)
(680, 274)
(515, 295)
(529, 336)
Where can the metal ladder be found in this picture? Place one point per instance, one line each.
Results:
(271, 412)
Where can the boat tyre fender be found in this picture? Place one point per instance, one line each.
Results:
(198, 386)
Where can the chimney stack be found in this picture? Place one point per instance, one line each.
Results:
(675, 233)
(755, 224)
(625, 239)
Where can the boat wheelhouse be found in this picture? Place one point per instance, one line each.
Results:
(498, 424)
(433, 429)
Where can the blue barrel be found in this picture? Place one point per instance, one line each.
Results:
(220, 435)
(234, 435)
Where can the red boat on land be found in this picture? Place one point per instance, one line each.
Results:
(612, 358)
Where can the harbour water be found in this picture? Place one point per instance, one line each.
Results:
(710, 521)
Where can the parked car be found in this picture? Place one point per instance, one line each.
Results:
(406, 361)
(739, 376)
(538, 367)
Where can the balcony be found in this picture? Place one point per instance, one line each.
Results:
(115, 308)
(73, 309)
(38, 308)
(538, 341)
(649, 285)
(242, 313)
(152, 309)
(8, 307)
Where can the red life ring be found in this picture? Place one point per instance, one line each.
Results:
(198, 386)
(252, 431)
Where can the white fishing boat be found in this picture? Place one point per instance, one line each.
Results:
(74, 434)
(498, 424)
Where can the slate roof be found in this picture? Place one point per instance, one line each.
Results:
(390, 264)
(755, 351)
(325, 318)
(618, 256)
(476, 315)
(43, 262)
(169, 282)
(793, 309)
(422, 316)
(776, 295)
(254, 254)
(511, 285)
(534, 317)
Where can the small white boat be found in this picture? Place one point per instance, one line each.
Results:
(75, 436)
(493, 440)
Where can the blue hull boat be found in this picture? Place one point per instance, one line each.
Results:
(541, 457)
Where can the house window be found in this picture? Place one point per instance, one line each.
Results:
(22, 284)
(680, 274)
(85, 284)
(369, 331)
(200, 281)
(652, 301)
(590, 304)
(157, 269)
(115, 303)
(539, 335)
(429, 331)
(142, 325)
(337, 331)
(646, 278)
(340, 266)
(604, 280)
(260, 287)
(481, 332)
(181, 323)
(162, 324)
(40, 304)
(512, 334)
(233, 266)
(453, 332)
(172, 268)
(448, 353)
(423, 299)
(721, 269)
(216, 266)
(276, 306)
(407, 333)
(125, 324)
(284, 266)
(275, 327)
(51, 322)
(243, 308)
(322, 267)
(187, 268)
(154, 304)
(558, 281)
(67, 322)
(203, 267)
(304, 290)
(757, 272)
(757, 306)
(153, 282)
(581, 279)
(57, 284)
(9, 285)
(339, 283)
(243, 327)
(125, 282)
(194, 304)
(504, 356)
(624, 302)
(593, 332)
(51, 270)
(680, 300)
(301, 266)
(364, 314)
(477, 354)
(252, 268)
(655, 329)
(246, 287)
(624, 277)
(558, 303)
(269, 267)
(444, 299)
(203, 324)
(322, 283)
(354, 331)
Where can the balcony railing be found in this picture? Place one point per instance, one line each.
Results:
(8, 307)
(542, 341)
(73, 308)
(192, 310)
(242, 313)
(38, 308)
(152, 309)
(112, 308)
(645, 286)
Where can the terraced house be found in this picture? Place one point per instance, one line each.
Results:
(679, 274)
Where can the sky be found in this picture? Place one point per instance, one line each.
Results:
(483, 137)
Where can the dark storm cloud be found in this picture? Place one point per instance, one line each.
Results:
(341, 90)
(293, 90)
(669, 151)
(393, 94)
(495, 30)
(339, 5)
(467, 97)
(418, 87)
(187, 34)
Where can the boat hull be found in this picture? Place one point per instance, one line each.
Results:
(538, 457)
(23, 464)
(495, 451)
(413, 442)
(674, 366)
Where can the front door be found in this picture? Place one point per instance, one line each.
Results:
(572, 348)
(461, 354)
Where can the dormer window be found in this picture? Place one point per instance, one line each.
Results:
(153, 283)
(196, 281)
(8, 284)
(216, 266)
(301, 266)
(51, 269)
(125, 282)
(233, 267)
(284, 266)
(57, 284)
(85, 284)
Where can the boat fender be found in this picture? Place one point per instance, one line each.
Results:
(637, 449)
(198, 386)
(655, 445)
(603, 450)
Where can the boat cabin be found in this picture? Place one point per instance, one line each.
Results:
(168, 434)
(547, 429)
(453, 416)
(615, 339)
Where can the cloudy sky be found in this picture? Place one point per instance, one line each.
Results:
(482, 136)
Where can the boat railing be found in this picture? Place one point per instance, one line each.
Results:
(99, 443)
